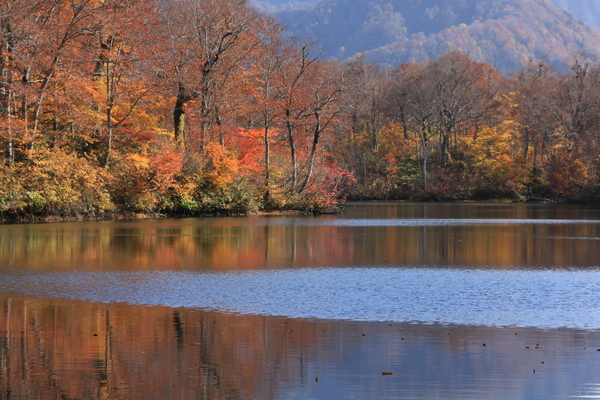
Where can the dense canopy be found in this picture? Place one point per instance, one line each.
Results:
(205, 106)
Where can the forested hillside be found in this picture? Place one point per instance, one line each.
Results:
(204, 106)
(506, 34)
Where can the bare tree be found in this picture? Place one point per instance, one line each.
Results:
(465, 91)
(204, 40)
(326, 108)
(298, 64)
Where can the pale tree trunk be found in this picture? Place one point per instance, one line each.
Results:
(267, 161)
(10, 143)
(424, 155)
(110, 130)
(313, 153)
(5, 88)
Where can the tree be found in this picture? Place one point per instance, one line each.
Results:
(295, 85)
(536, 112)
(413, 100)
(264, 80)
(366, 102)
(465, 91)
(60, 30)
(578, 101)
(123, 71)
(203, 37)
(11, 13)
(326, 93)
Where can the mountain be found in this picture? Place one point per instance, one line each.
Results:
(504, 33)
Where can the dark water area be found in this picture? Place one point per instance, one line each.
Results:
(387, 301)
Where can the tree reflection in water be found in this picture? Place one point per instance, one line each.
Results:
(72, 349)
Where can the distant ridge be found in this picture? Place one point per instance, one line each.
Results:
(506, 34)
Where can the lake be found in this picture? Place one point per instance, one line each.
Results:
(386, 301)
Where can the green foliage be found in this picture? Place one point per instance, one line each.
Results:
(235, 199)
(13, 196)
(409, 182)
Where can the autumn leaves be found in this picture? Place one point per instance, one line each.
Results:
(204, 106)
(175, 107)
(454, 129)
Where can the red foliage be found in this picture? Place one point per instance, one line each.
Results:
(248, 143)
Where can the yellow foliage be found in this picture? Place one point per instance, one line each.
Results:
(222, 163)
(493, 156)
(492, 145)
(139, 161)
(56, 182)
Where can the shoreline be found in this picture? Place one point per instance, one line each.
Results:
(339, 209)
(132, 216)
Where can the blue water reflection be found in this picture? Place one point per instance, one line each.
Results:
(524, 298)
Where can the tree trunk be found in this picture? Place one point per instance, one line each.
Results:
(179, 121)
(425, 153)
(444, 150)
(109, 128)
(313, 152)
(219, 123)
(5, 90)
(10, 149)
(267, 164)
(179, 115)
(404, 124)
(292, 142)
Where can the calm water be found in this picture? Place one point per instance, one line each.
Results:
(388, 301)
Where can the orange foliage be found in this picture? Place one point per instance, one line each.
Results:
(223, 165)
(96, 86)
(166, 163)
(567, 176)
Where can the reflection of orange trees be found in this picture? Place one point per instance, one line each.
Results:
(217, 245)
(71, 349)
(82, 350)
(85, 350)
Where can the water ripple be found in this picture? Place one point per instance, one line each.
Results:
(546, 299)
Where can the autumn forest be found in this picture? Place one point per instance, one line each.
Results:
(199, 107)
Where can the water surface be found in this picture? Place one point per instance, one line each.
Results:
(388, 301)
